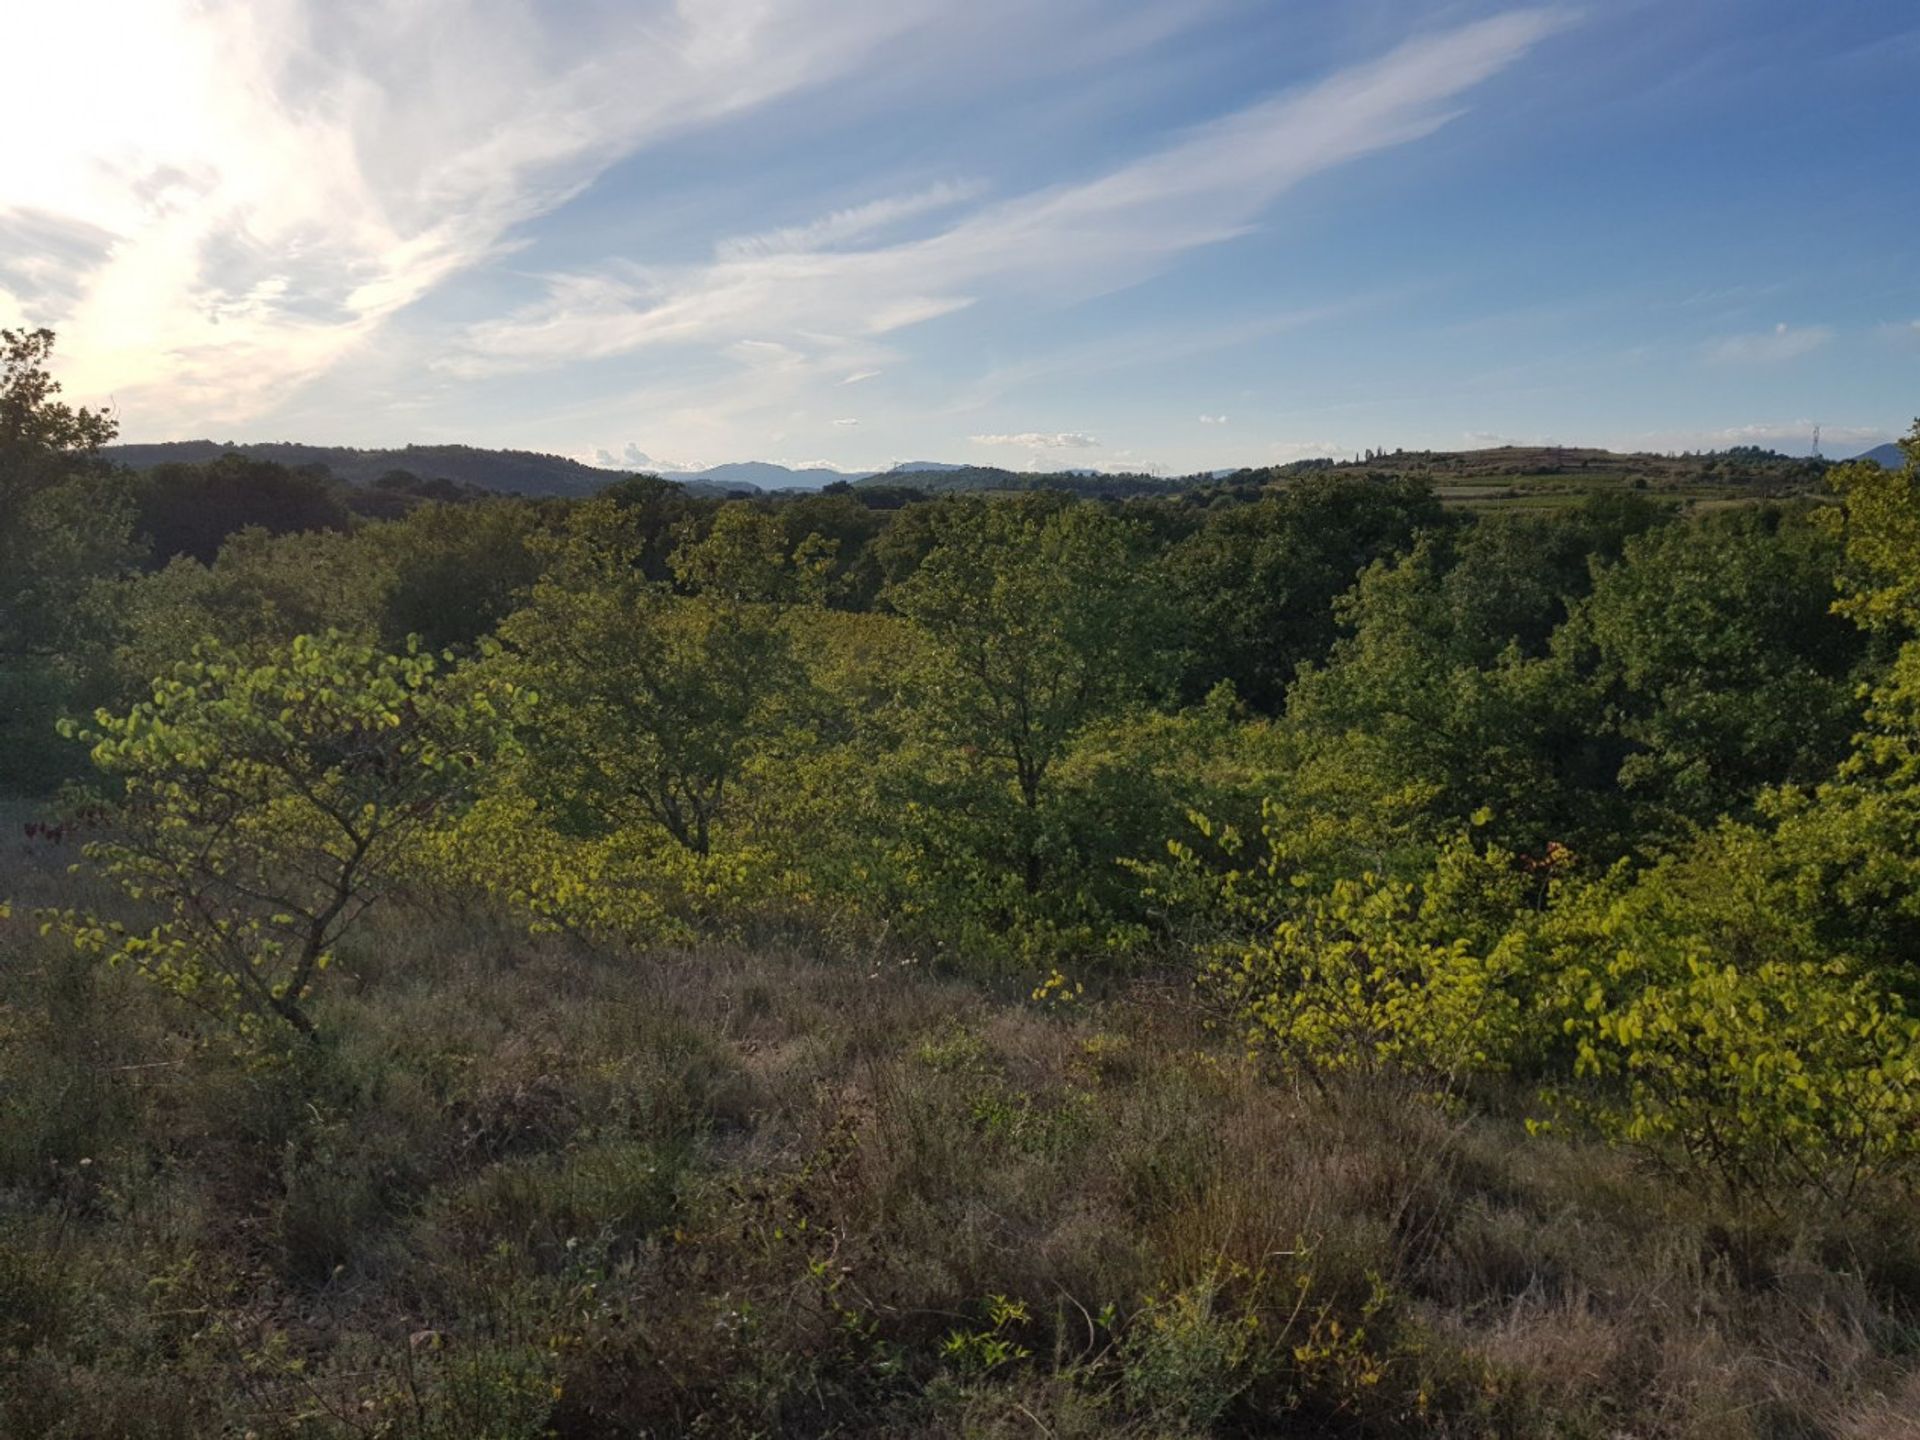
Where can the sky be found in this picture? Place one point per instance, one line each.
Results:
(1169, 235)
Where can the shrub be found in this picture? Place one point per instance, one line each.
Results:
(1746, 1059)
(264, 807)
(1360, 974)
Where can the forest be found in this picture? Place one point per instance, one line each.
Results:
(1291, 956)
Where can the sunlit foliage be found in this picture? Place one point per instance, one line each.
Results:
(262, 808)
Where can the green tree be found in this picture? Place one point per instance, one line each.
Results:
(1879, 524)
(192, 509)
(1258, 581)
(1433, 692)
(655, 699)
(261, 808)
(39, 434)
(1709, 1022)
(65, 523)
(259, 593)
(457, 570)
(1714, 653)
(1040, 618)
(1847, 845)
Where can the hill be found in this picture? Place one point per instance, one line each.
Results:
(757, 475)
(766, 475)
(1534, 477)
(507, 472)
(1889, 456)
(1509, 476)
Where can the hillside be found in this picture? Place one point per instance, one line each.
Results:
(1533, 477)
(1888, 456)
(507, 472)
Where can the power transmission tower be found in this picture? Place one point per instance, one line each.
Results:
(1816, 442)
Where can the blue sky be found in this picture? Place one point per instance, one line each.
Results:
(1169, 234)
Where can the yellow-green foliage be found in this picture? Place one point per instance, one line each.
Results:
(263, 807)
(1728, 1044)
(1694, 1011)
(1328, 968)
(1346, 981)
(634, 884)
(1879, 517)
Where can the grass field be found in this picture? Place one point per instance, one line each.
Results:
(771, 1187)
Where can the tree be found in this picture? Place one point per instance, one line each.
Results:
(1432, 693)
(1710, 1023)
(1879, 523)
(1259, 581)
(1039, 618)
(1849, 842)
(259, 593)
(1716, 656)
(65, 523)
(263, 807)
(656, 699)
(192, 509)
(38, 433)
(457, 570)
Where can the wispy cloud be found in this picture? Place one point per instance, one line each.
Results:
(842, 227)
(1769, 347)
(257, 189)
(1213, 419)
(1037, 440)
(1052, 246)
(254, 186)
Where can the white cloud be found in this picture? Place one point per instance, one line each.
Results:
(254, 186)
(632, 457)
(257, 187)
(844, 226)
(1036, 440)
(1770, 347)
(1282, 451)
(1213, 419)
(1049, 246)
(847, 422)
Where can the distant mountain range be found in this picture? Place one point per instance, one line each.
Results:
(759, 475)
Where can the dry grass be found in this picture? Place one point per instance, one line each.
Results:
(528, 1188)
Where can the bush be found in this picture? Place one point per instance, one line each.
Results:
(1748, 1058)
(264, 807)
